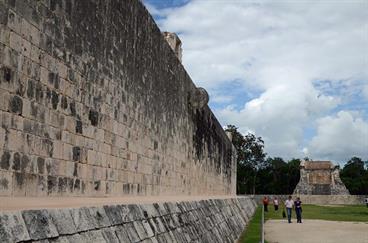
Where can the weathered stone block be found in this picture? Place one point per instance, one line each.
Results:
(12, 227)
(39, 224)
(114, 214)
(140, 230)
(110, 236)
(122, 234)
(63, 221)
(100, 217)
(93, 236)
(76, 238)
(16, 105)
(6, 183)
(83, 219)
(132, 232)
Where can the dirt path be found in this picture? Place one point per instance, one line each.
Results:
(316, 231)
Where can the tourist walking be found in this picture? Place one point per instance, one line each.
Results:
(265, 204)
(366, 201)
(289, 203)
(276, 204)
(298, 210)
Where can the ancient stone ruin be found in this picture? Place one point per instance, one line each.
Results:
(94, 103)
(175, 43)
(320, 178)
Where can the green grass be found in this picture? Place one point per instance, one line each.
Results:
(354, 213)
(252, 234)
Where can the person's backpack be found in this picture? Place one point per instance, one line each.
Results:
(283, 214)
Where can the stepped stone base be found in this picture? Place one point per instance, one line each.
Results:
(213, 220)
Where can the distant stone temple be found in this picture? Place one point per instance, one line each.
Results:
(320, 178)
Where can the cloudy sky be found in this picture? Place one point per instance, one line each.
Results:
(293, 72)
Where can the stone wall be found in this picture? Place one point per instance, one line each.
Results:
(93, 102)
(318, 199)
(204, 221)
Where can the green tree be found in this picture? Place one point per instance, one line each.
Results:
(355, 176)
(251, 158)
(293, 175)
(278, 176)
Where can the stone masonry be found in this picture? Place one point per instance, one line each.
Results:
(207, 221)
(94, 102)
(320, 178)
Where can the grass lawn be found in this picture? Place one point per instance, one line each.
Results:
(252, 234)
(355, 213)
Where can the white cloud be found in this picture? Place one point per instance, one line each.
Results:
(284, 50)
(340, 137)
(365, 92)
(279, 116)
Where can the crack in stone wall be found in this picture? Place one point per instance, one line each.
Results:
(93, 102)
(212, 221)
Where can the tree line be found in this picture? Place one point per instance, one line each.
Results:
(259, 174)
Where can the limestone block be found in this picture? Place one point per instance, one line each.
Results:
(134, 212)
(39, 224)
(99, 214)
(132, 233)
(67, 152)
(15, 42)
(168, 222)
(94, 236)
(149, 210)
(76, 238)
(58, 149)
(114, 215)
(42, 186)
(31, 181)
(62, 239)
(6, 183)
(83, 219)
(148, 228)
(110, 235)
(122, 234)
(4, 35)
(63, 221)
(26, 48)
(91, 157)
(12, 227)
(70, 168)
(140, 230)
(15, 141)
(165, 237)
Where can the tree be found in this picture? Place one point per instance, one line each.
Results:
(293, 175)
(278, 176)
(355, 176)
(251, 158)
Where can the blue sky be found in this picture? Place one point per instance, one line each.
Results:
(294, 73)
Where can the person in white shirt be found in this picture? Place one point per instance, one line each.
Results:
(289, 203)
(276, 203)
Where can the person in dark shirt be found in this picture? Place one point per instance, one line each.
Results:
(298, 210)
(265, 204)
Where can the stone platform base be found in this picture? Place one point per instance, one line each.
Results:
(211, 220)
(318, 199)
